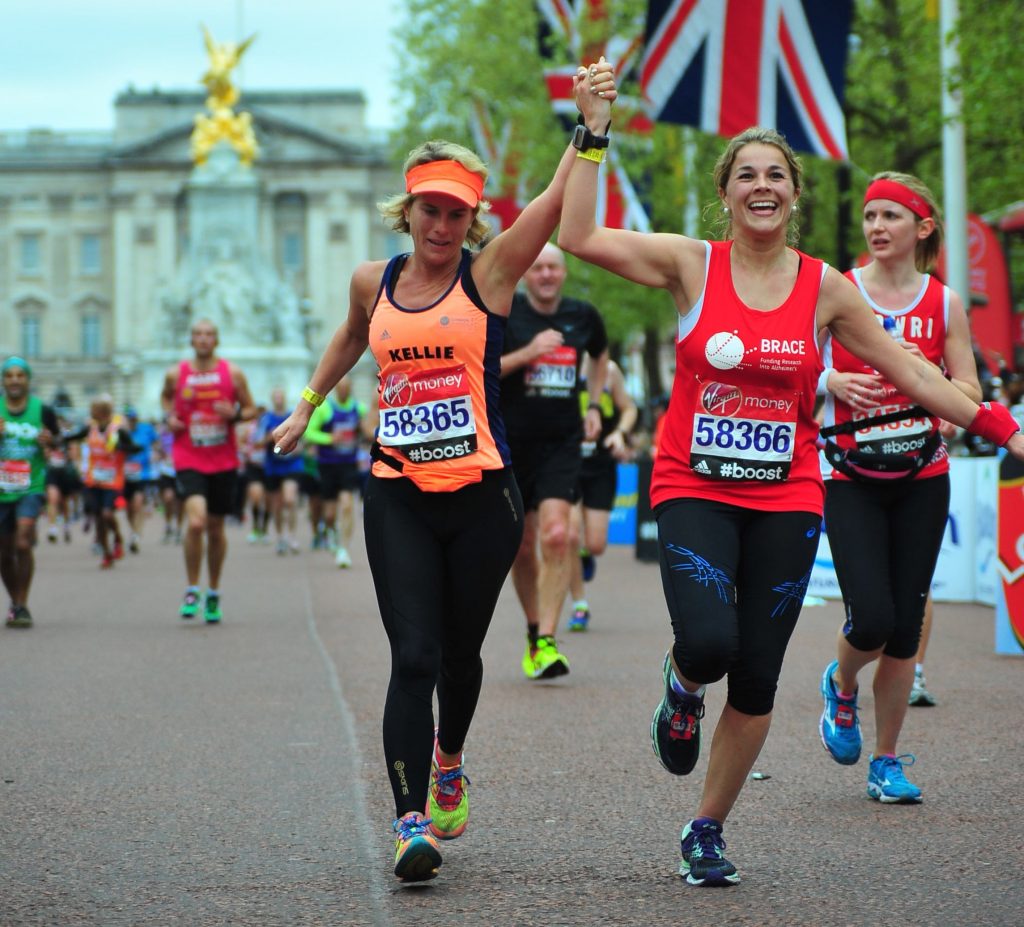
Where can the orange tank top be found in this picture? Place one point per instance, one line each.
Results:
(106, 463)
(439, 385)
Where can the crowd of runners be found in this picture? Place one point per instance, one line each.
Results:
(493, 445)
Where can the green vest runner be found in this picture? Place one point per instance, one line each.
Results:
(22, 461)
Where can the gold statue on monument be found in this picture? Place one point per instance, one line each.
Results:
(223, 123)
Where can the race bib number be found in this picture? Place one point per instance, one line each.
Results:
(15, 475)
(743, 434)
(57, 459)
(428, 416)
(903, 437)
(344, 438)
(205, 430)
(104, 474)
(552, 374)
(133, 470)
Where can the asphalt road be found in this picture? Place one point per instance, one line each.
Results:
(161, 772)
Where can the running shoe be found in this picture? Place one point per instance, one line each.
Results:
(588, 564)
(190, 605)
(118, 551)
(548, 663)
(529, 662)
(704, 861)
(133, 544)
(580, 618)
(417, 857)
(211, 608)
(67, 535)
(294, 546)
(107, 562)
(18, 616)
(675, 727)
(52, 534)
(448, 799)
(919, 694)
(886, 782)
(342, 560)
(282, 547)
(839, 726)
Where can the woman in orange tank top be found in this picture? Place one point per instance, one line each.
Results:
(736, 486)
(442, 515)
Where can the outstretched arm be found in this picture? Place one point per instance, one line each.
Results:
(344, 349)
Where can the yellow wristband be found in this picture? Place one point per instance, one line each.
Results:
(312, 397)
(593, 154)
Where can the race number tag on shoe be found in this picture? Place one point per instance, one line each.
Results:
(428, 415)
(207, 430)
(15, 475)
(743, 433)
(552, 374)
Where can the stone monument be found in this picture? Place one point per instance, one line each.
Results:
(223, 275)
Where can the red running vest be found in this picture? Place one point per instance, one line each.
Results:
(740, 425)
(924, 322)
(207, 442)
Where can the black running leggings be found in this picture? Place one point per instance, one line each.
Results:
(439, 560)
(885, 540)
(734, 581)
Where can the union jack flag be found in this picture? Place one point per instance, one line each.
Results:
(726, 65)
(618, 205)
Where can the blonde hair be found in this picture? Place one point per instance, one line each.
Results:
(394, 208)
(926, 251)
(755, 135)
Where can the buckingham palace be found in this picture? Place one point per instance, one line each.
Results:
(95, 236)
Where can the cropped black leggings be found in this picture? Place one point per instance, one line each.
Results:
(885, 540)
(439, 560)
(734, 581)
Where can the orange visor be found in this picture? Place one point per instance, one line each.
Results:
(448, 177)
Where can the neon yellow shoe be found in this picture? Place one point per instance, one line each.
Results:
(417, 857)
(448, 799)
(548, 662)
(529, 663)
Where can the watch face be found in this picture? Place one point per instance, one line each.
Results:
(579, 137)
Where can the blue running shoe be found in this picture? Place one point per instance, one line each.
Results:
(704, 861)
(675, 727)
(839, 726)
(886, 782)
(579, 620)
(417, 857)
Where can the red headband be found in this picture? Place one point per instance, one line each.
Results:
(898, 193)
(448, 177)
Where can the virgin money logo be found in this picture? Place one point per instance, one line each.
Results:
(396, 390)
(721, 399)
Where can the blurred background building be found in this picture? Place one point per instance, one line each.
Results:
(94, 229)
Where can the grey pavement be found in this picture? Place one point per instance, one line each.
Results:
(161, 772)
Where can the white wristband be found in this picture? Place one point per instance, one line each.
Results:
(822, 389)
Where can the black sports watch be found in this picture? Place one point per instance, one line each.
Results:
(585, 140)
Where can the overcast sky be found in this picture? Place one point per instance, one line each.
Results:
(62, 62)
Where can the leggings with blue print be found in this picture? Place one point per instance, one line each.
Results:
(734, 581)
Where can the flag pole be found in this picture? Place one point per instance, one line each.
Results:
(954, 161)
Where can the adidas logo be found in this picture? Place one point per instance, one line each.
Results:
(385, 335)
(702, 467)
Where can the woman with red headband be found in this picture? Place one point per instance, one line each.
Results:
(887, 495)
(442, 514)
(737, 488)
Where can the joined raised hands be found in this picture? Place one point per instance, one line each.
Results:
(594, 90)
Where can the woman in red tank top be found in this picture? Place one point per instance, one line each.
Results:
(736, 486)
(442, 513)
(886, 525)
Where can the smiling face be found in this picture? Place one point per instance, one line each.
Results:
(760, 191)
(15, 383)
(891, 230)
(438, 225)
